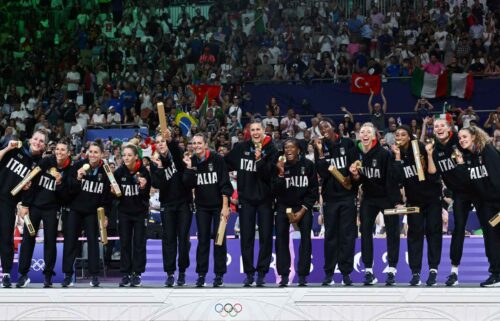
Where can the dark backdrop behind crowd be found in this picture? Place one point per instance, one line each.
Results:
(327, 98)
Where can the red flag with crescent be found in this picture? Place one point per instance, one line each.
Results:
(362, 83)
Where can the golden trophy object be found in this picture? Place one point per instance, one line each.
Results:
(345, 181)
(418, 160)
(258, 145)
(219, 239)
(282, 159)
(53, 171)
(429, 140)
(358, 164)
(456, 153)
(86, 167)
(101, 217)
(25, 180)
(188, 154)
(289, 213)
(18, 144)
(495, 220)
(402, 211)
(29, 225)
(112, 180)
(156, 155)
(162, 118)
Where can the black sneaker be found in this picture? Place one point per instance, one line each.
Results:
(95, 281)
(432, 279)
(492, 281)
(370, 279)
(23, 281)
(47, 281)
(218, 281)
(328, 280)
(200, 283)
(136, 281)
(6, 283)
(125, 281)
(284, 281)
(302, 280)
(181, 279)
(68, 281)
(452, 279)
(248, 280)
(415, 279)
(346, 280)
(170, 281)
(391, 279)
(260, 280)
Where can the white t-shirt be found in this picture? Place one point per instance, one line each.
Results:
(114, 119)
(73, 75)
(83, 120)
(270, 121)
(98, 119)
(302, 125)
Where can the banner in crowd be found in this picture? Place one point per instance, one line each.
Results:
(473, 268)
(365, 84)
(203, 91)
(426, 85)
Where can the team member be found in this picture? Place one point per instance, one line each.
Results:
(427, 196)
(339, 208)
(444, 156)
(133, 209)
(15, 163)
(380, 191)
(254, 161)
(295, 184)
(176, 215)
(41, 202)
(207, 173)
(482, 163)
(89, 191)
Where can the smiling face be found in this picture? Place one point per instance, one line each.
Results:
(161, 145)
(442, 130)
(366, 135)
(402, 137)
(256, 131)
(95, 154)
(129, 157)
(326, 130)
(291, 151)
(37, 143)
(199, 146)
(62, 153)
(466, 139)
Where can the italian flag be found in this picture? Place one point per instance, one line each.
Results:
(426, 85)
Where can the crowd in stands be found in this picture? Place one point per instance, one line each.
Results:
(66, 65)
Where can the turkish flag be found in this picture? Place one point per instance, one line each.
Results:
(362, 83)
(200, 91)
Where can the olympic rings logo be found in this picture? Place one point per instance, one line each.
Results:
(37, 265)
(228, 309)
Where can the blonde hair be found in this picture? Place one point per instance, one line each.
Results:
(370, 125)
(480, 137)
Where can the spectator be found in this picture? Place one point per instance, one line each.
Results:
(434, 67)
(378, 111)
(98, 118)
(113, 118)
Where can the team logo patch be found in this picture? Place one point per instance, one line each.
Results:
(247, 153)
(302, 170)
(124, 179)
(342, 151)
(211, 167)
(374, 163)
(99, 177)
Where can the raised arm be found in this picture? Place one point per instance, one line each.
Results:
(384, 106)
